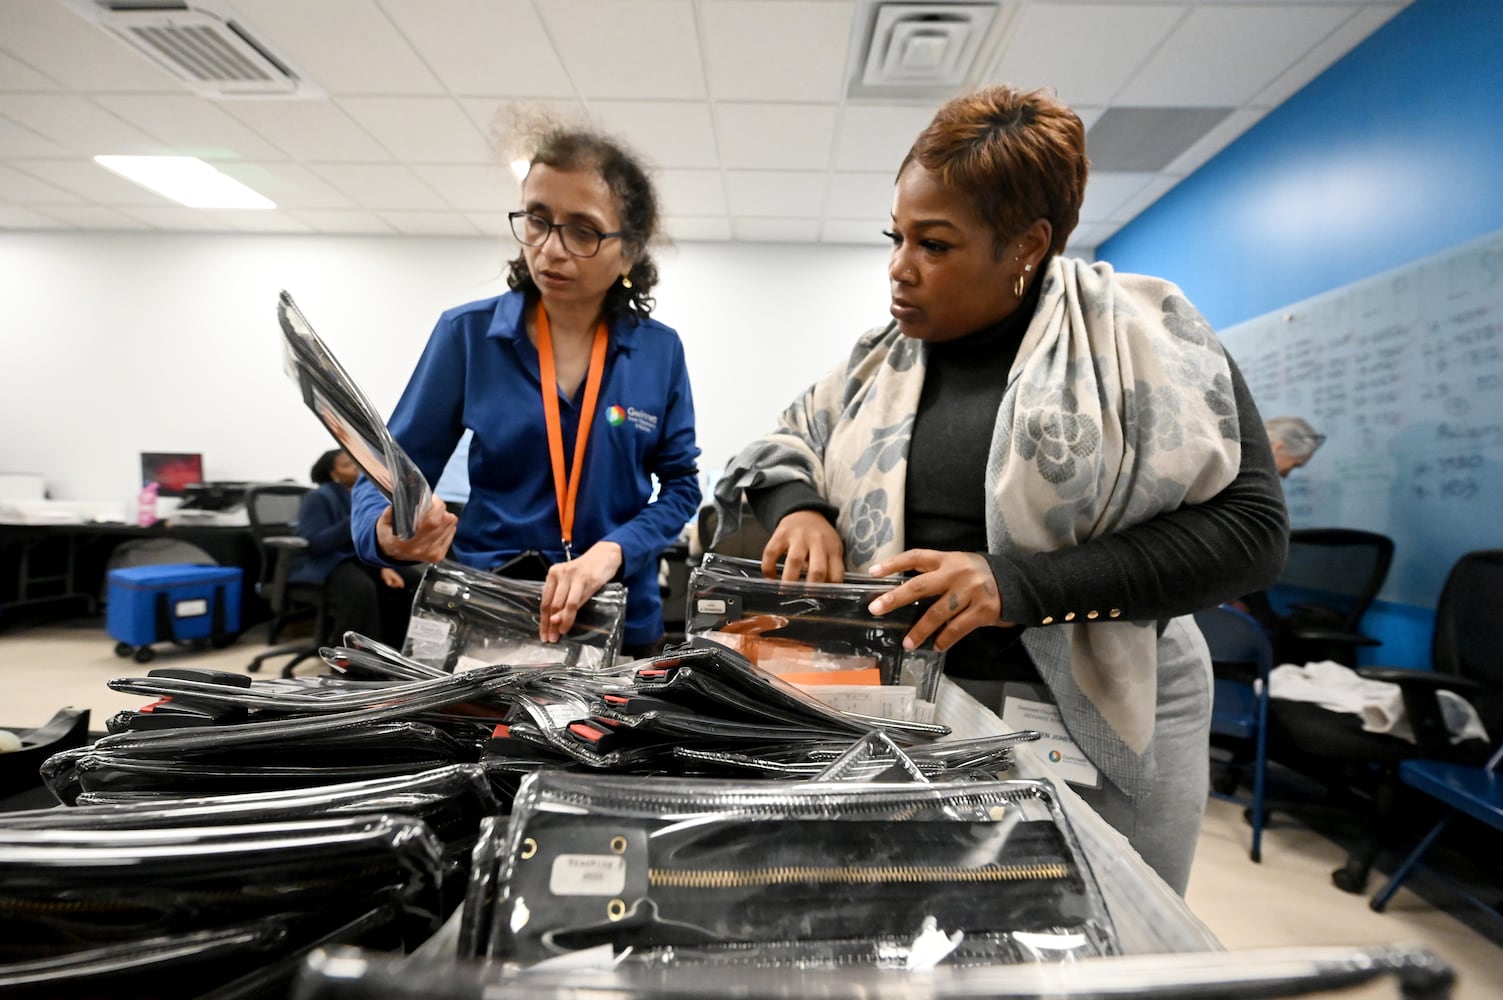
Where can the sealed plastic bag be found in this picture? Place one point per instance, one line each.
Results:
(464, 618)
(818, 635)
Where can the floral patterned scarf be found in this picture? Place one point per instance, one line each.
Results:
(1118, 407)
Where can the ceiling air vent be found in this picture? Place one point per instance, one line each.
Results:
(202, 43)
(918, 50)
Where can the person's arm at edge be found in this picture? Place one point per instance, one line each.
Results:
(426, 423)
(1174, 564)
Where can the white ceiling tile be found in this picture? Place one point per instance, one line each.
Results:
(668, 133)
(94, 217)
(177, 219)
(776, 136)
(508, 123)
(421, 129)
(851, 231)
(16, 217)
(1158, 186)
(77, 124)
(76, 53)
(260, 222)
(378, 186)
(645, 49)
(1214, 141)
(496, 225)
(345, 46)
(18, 142)
(704, 229)
(690, 192)
(91, 181)
(501, 48)
(1221, 56)
(1086, 52)
(21, 188)
(17, 76)
(860, 196)
(876, 137)
(312, 131)
(288, 184)
(341, 222)
(780, 51)
(1341, 41)
(775, 194)
(429, 223)
(192, 126)
(1106, 192)
(776, 230)
(481, 189)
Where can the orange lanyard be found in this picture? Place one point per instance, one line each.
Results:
(567, 490)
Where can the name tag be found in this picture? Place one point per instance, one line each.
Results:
(1022, 708)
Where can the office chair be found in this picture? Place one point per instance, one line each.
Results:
(1332, 746)
(1314, 611)
(1240, 660)
(272, 509)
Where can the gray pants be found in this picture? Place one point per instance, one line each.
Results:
(1164, 825)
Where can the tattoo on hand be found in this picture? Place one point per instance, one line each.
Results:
(954, 602)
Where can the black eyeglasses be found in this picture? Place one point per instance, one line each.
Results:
(578, 239)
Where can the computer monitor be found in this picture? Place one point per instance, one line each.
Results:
(171, 471)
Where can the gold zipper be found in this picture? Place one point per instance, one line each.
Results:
(734, 879)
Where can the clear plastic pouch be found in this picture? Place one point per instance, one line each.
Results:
(791, 873)
(348, 415)
(464, 618)
(818, 635)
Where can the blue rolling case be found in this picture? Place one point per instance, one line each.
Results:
(183, 604)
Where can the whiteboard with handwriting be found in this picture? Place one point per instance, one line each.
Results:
(1403, 373)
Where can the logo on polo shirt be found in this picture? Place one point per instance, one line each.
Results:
(640, 419)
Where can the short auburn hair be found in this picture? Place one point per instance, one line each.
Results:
(1018, 156)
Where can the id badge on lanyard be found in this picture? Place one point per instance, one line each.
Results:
(566, 487)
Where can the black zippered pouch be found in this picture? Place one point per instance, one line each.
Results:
(790, 873)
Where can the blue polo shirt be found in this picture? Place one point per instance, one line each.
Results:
(480, 372)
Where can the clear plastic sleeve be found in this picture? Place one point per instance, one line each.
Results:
(793, 874)
(338, 402)
(818, 635)
(464, 618)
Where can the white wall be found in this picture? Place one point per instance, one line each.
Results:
(113, 344)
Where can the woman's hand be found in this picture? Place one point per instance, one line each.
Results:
(392, 578)
(570, 584)
(965, 587)
(428, 544)
(805, 540)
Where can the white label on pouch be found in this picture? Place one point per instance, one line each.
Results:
(191, 609)
(587, 875)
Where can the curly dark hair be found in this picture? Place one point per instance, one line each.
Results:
(323, 469)
(580, 149)
(1017, 155)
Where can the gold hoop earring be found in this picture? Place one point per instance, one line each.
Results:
(625, 281)
(1020, 283)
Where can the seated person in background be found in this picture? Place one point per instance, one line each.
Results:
(372, 600)
(1293, 441)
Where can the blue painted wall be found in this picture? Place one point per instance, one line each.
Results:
(1392, 154)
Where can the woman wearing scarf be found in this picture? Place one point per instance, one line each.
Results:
(1063, 458)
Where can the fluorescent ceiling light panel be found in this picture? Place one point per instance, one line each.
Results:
(187, 180)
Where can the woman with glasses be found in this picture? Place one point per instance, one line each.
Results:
(1062, 458)
(576, 397)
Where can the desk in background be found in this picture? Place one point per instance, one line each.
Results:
(58, 570)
